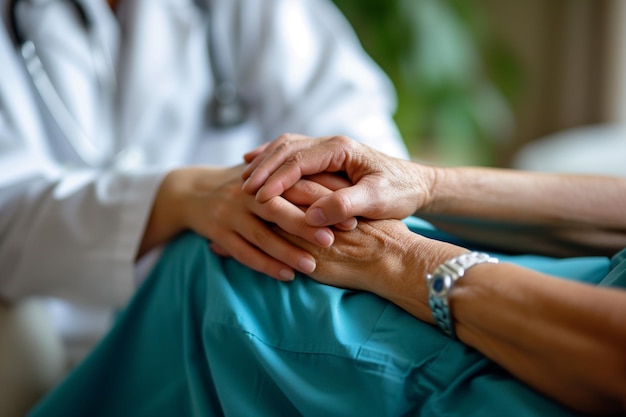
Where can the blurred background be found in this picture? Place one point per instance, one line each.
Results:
(478, 80)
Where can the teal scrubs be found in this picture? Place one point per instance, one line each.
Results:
(206, 336)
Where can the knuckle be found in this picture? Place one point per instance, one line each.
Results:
(309, 188)
(260, 237)
(295, 159)
(286, 149)
(281, 143)
(221, 211)
(342, 139)
(284, 137)
(281, 147)
(379, 209)
(343, 204)
(273, 206)
(343, 142)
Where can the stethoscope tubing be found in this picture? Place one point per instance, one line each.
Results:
(71, 129)
(225, 109)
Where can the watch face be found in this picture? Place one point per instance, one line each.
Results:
(440, 284)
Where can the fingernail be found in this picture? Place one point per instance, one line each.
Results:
(349, 224)
(315, 217)
(287, 274)
(307, 265)
(324, 238)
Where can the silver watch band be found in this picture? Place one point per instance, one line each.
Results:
(441, 282)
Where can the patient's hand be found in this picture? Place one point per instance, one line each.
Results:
(367, 258)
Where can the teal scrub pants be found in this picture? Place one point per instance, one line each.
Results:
(206, 336)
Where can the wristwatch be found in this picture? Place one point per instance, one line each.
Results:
(442, 280)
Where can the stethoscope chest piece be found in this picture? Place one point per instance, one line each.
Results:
(226, 108)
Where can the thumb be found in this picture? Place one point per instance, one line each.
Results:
(341, 205)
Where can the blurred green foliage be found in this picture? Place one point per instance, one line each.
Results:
(454, 78)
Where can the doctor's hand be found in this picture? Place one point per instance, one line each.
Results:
(383, 187)
(210, 201)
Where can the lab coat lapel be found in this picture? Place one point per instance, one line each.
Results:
(22, 113)
(67, 50)
(161, 77)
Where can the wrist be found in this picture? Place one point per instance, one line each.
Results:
(436, 182)
(166, 215)
(442, 281)
(184, 192)
(406, 286)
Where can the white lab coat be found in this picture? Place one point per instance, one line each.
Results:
(71, 231)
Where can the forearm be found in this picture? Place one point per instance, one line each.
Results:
(165, 220)
(556, 214)
(564, 338)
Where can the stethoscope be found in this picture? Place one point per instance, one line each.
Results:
(225, 109)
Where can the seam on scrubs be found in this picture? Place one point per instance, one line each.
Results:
(354, 354)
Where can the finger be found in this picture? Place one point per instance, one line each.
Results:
(290, 218)
(307, 191)
(255, 157)
(219, 250)
(347, 225)
(286, 164)
(294, 239)
(343, 204)
(285, 176)
(275, 250)
(254, 258)
(332, 181)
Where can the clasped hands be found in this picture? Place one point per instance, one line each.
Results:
(294, 207)
(338, 180)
